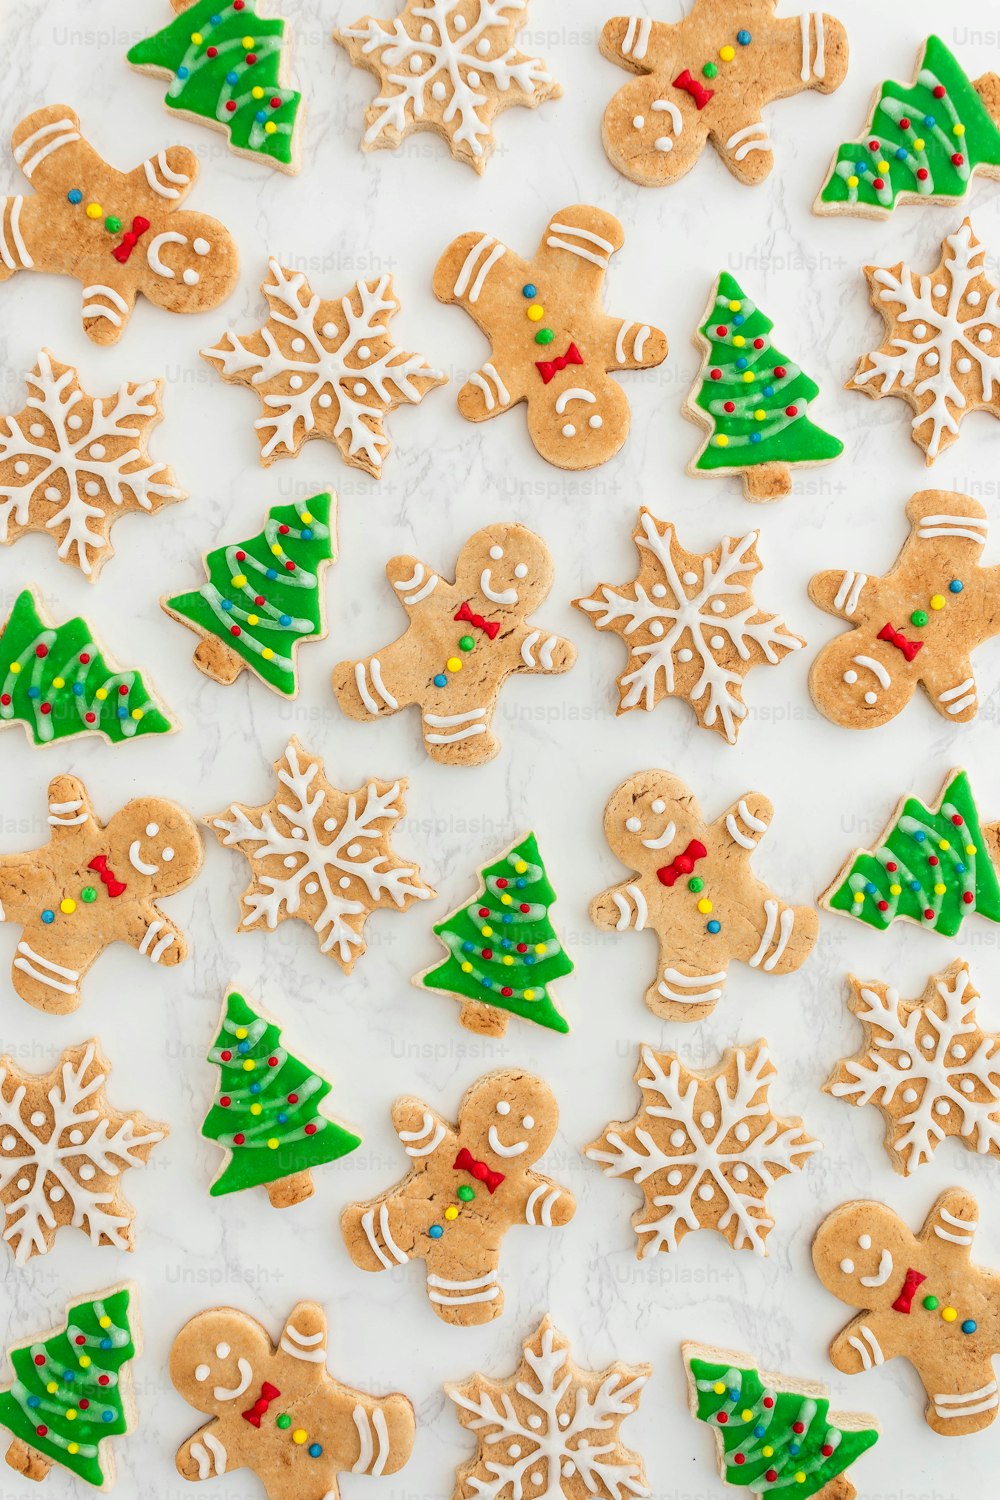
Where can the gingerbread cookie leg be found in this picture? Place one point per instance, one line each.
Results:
(374, 687)
(745, 150)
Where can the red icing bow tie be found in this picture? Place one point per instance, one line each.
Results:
(683, 864)
(100, 864)
(699, 93)
(492, 627)
(131, 237)
(466, 1162)
(549, 367)
(253, 1414)
(897, 639)
(904, 1301)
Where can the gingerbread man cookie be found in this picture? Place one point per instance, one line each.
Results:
(553, 345)
(464, 640)
(707, 78)
(694, 887)
(920, 1296)
(119, 233)
(278, 1411)
(916, 626)
(94, 884)
(468, 1183)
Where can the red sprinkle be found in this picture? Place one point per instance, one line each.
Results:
(487, 952)
(524, 906)
(956, 820)
(90, 718)
(826, 1450)
(275, 103)
(289, 567)
(873, 145)
(46, 708)
(958, 159)
(883, 905)
(780, 372)
(4, 699)
(968, 897)
(798, 1427)
(932, 859)
(891, 866)
(239, 1138)
(225, 1101)
(258, 599)
(272, 1062)
(212, 52)
(878, 183)
(768, 1401)
(722, 1418)
(721, 331)
(922, 174)
(39, 1359)
(502, 883)
(241, 557)
(729, 406)
(226, 1056)
(928, 915)
(41, 650)
(123, 689)
(310, 1130)
(293, 1098)
(235, 630)
(282, 530)
(506, 992)
(104, 1380)
(771, 1475)
(904, 123)
(758, 343)
(231, 106)
(238, 4)
(80, 1339)
(84, 658)
(251, 58)
(715, 374)
(41, 1429)
(83, 1403)
(739, 1458)
(791, 411)
(940, 91)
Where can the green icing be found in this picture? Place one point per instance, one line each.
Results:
(929, 171)
(87, 1382)
(259, 1109)
(209, 85)
(915, 839)
(275, 606)
(509, 935)
(751, 1427)
(746, 439)
(56, 682)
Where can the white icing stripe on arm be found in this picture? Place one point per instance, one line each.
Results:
(867, 1345)
(218, 1452)
(545, 1211)
(367, 1224)
(847, 596)
(383, 1223)
(311, 1356)
(967, 526)
(636, 38)
(363, 1426)
(784, 933)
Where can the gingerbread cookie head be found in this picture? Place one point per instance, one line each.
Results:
(858, 689)
(862, 1252)
(155, 841)
(660, 813)
(215, 1358)
(513, 1116)
(509, 566)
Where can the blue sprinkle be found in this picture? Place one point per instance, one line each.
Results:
(520, 882)
(734, 1395)
(282, 1119)
(68, 1375)
(467, 948)
(870, 888)
(48, 916)
(793, 1449)
(232, 77)
(955, 586)
(506, 943)
(284, 620)
(435, 1231)
(714, 926)
(271, 573)
(959, 869)
(929, 121)
(529, 958)
(260, 116)
(744, 38)
(507, 917)
(530, 290)
(227, 604)
(861, 167)
(123, 713)
(34, 1401)
(255, 1088)
(742, 363)
(307, 533)
(920, 835)
(440, 680)
(78, 689)
(107, 1416)
(969, 1326)
(901, 153)
(104, 1344)
(182, 73)
(738, 319)
(243, 1047)
(769, 390)
(315, 1450)
(759, 1432)
(34, 692)
(215, 20)
(755, 437)
(74, 195)
(486, 983)
(914, 885)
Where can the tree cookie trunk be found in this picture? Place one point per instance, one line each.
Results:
(767, 482)
(28, 1461)
(216, 660)
(839, 1488)
(287, 1191)
(485, 1019)
(988, 89)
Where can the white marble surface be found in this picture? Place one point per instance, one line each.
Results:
(563, 751)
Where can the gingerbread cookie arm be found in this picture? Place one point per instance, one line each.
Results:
(153, 935)
(542, 652)
(422, 1132)
(633, 346)
(168, 176)
(544, 1201)
(951, 686)
(637, 43)
(205, 1455)
(951, 1226)
(621, 906)
(374, 686)
(412, 580)
(867, 1340)
(70, 808)
(840, 592)
(745, 150)
(304, 1339)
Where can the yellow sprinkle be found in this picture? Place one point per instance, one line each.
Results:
(197, 38)
(738, 341)
(241, 1033)
(971, 849)
(958, 129)
(895, 890)
(859, 896)
(67, 906)
(451, 1212)
(276, 549)
(52, 1387)
(943, 844)
(466, 968)
(852, 181)
(15, 667)
(800, 1477)
(948, 1313)
(520, 867)
(529, 994)
(508, 960)
(704, 906)
(746, 1414)
(104, 1322)
(238, 580)
(506, 900)
(255, 1109)
(748, 376)
(721, 441)
(768, 1452)
(305, 518)
(735, 306)
(940, 889)
(719, 1388)
(883, 166)
(257, 92)
(94, 211)
(249, 1066)
(253, 619)
(101, 693)
(760, 415)
(937, 601)
(267, 653)
(536, 312)
(71, 1415)
(72, 1447)
(84, 1361)
(270, 128)
(540, 948)
(487, 931)
(727, 53)
(248, 43)
(58, 682)
(273, 1143)
(137, 713)
(453, 664)
(919, 143)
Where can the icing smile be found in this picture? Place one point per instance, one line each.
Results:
(497, 1145)
(221, 1393)
(882, 1274)
(498, 596)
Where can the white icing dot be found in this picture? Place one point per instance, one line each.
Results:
(51, 493)
(56, 1194)
(963, 366)
(9, 1142)
(37, 1117)
(201, 1372)
(564, 1419)
(705, 1191)
(427, 32)
(717, 642)
(690, 577)
(21, 467)
(910, 1096)
(438, 91)
(311, 887)
(329, 331)
(514, 1450)
(677, 1137)
(638, 121)
(76, 1137)
(932, 358)
(967, 1086)
(344, 882)
(23, 1184)
(974, 298)
(595, 421)
(474, 80)
(904, 1061)
(359, 387)
(658, 590)
(416, 63)
(706, 1120)
(528, 1122)
(364, 352)
(663, 143)
(222, 1351)
(656, 627)
(521, 571)
(940, 290)
(167, 854)
(919, 330)
(741, 1172)
(354, 850)
(742, 1131)
(295, 381)
(984, 335)
(496, 553)
(92, 488)
(98, 450)
(325, 400)
(534, 1420)
(298, 345)
(958, 1052)
(568, 1468)
(927, 1041)
(871, 698)
(460, 23)
(673, 1178)
(865, 1241)
(191, 277)
(684, 654)
(37, 429)
(200, 246)
(718, 606)
(289, 861)
(537, 1477)
(74, 421)
(658, 805)
(941, 1107)
(847, 1266)
(298, 833)
(503, 1108)
(152, 829)
(87, 1172)
(569, 430)
(633, 824)
(483, 47)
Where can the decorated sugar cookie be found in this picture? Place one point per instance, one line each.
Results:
(705, 1147)
(693, 886)
(450, 66)
(263, 596)
(467, 1184)
(94, 884)
(277, 1410)
(227, 67)
(924, 141)
(920, 1296)
(72, 1390)
(707, 78)
(71, 464)
(552, 344)
(119, 233)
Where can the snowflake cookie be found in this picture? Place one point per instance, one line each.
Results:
(277, 1410)
(693, 886)
(72, 464)
(321, 855)
(119, 233)
(708, 78)
(551, 1428)
(941, 351)
(920, 1296)
(692, 617)
(553, 345)
(705, 1148)
(916, 626)
(324, 369)
(467, 1184)
(481, 626)
(927, 1064)
(63, 1152)
(450, 66)
(94, 884)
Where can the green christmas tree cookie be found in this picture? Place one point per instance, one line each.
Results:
(924, 141)
(72, 1390)
(263, 596)
(933, 866)
(266, 1111)
(56, 682)
(503, 953)
(226, 64)
(776, 1436)
(753, 400)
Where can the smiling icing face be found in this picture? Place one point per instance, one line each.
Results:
(647, 819)
(215, 1359)
(865, 1255)
(505, 567)
(515, 1121)
(587, 413)
(156, 840)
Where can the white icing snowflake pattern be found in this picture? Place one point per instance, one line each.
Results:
(69, 1152)
(551, 1430)
(942, 329)
(325, 368)
(705, 1148)
(334, 854)
(697, 624)
(70, 464)
(928, 1065)
(447, 65)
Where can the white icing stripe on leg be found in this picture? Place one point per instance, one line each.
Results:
(150, 934)
(380, 687)
(545, 653)
(218, 1452)
(955, 1221)
(785, 932)
(489, 382)
(954, 1239)
(309, 1339)
(471, 1289)
(368, 1225)
(690, 982)
(382, 1433)
(636, 38)
(770, 918)
(393, 1248)
(599, 259)
(968, 526)
(361, 679)
(363, 1426)
(868, 1347)
(467, 728)
(311, 1356)
(950, 1408)
(33, 163)
(201, 1458)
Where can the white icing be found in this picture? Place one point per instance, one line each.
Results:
(575, 393)
(636, 38)
(497, 596)
(137, 862)
(813, 68)
(497, 1145)
(754, 138)
(477, 266)
(784, 924)
(597, 256)
(232, 1393)
(881, 1276)
(849, 592)
(156, 264)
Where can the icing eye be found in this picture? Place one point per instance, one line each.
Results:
(191, 278)
(528, 1122)
(847, 1266)
(201, 247)
(633, 824)
(521, 571)
(168, 854)
(865, 1242)
(659, 805)
(503, 1108)
(496, 553)
(152, 829)
(201, 1372)
(850, 678)
(222, 1351)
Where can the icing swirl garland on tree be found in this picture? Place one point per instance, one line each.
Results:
(503, 953)
(72, 1391)
(227, 66)
(266, 1112)
(753, 400)
(776, 1436)
(263, 596)
(924, 141)
(450, 66)
(77, 224)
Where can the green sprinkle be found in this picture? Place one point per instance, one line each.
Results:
(544, 336)
(930, 1303)
(112, 225)
(696, 883)
(710, 70)
(918, 617)
(284, 1420)
(88, 893)
(466, 1193)
(467, 643)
